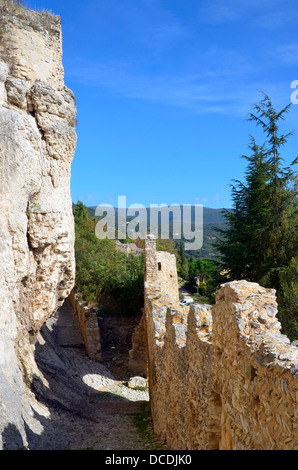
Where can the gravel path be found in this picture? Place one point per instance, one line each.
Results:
(88, 407)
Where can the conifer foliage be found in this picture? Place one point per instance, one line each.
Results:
(260, 244)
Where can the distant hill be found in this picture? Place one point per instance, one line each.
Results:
(211, 216)
(213, 219)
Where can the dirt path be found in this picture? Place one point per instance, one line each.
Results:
(186, 294)
(87, 407)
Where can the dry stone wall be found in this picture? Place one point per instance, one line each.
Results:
(223, 376)
(137, 363)
(88, 324)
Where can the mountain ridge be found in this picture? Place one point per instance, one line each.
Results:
(213, 221)
(210, 215)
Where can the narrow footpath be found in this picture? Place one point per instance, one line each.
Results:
(88, 408)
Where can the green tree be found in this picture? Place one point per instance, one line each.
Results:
(210, 278)
(183, 263)
(280, 213)
(260, 243)
(268, 118)
(243, 250)
(80, 212)
(104, 276)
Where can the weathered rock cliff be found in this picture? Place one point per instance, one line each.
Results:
(37, 144)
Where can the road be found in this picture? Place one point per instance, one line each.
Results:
(186, 294)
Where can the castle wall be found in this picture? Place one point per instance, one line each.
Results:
(31, 43)
(223, 376)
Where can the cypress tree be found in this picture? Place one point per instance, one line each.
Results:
(260, 243)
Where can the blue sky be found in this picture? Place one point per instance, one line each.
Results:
(163, 90)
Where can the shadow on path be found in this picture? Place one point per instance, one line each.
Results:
(87, 408)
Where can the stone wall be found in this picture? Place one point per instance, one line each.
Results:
(37, 144)
(31, 43)
(137, 362)
(88, 324)
(160, 270)
(223, 376)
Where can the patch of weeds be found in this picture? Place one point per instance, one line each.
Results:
(35, 27)
(26, 378)
(12, 7)
(143, 423)
(139, 388)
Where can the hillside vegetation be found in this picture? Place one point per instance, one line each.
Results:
(214, 221)
(114, 281)
(105, 277)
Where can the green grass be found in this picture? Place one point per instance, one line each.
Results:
(143, 422)
(139, 388)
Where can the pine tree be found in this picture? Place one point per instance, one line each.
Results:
(260, 243)
(241, 244)
(233, 245)
(281, 204)
(80, 211)
(183, 271)
(267, 117)
(255, 212)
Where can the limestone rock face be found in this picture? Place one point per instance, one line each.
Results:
(37, 144)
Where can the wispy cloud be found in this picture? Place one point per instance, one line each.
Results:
(279, 18)
(216, 12)
(222, 91)
(210, 73)
(288, 54)
(142, 23)
(265, 14)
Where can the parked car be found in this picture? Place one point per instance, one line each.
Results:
(186, 302)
